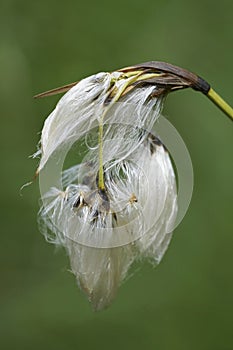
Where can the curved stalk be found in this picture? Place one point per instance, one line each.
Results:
(220, 103)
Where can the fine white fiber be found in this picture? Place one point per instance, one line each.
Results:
(106, 229)
(79, 110)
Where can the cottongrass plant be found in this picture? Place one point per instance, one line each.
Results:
(119, 204)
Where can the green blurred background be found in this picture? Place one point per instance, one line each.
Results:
(185, 303)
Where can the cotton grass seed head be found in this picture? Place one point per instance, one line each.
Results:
(118, 204)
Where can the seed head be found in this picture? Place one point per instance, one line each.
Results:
(118, 204)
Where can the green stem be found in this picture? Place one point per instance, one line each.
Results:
(213, 96)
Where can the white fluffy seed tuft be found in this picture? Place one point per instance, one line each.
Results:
(104, 231)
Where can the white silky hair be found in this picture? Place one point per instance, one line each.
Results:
(81, 107)
(104, 233)
(145, 220)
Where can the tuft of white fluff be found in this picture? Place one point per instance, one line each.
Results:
(142, 211)
(81, 107)
(105, 231)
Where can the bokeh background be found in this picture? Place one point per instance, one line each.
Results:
(186, 302)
